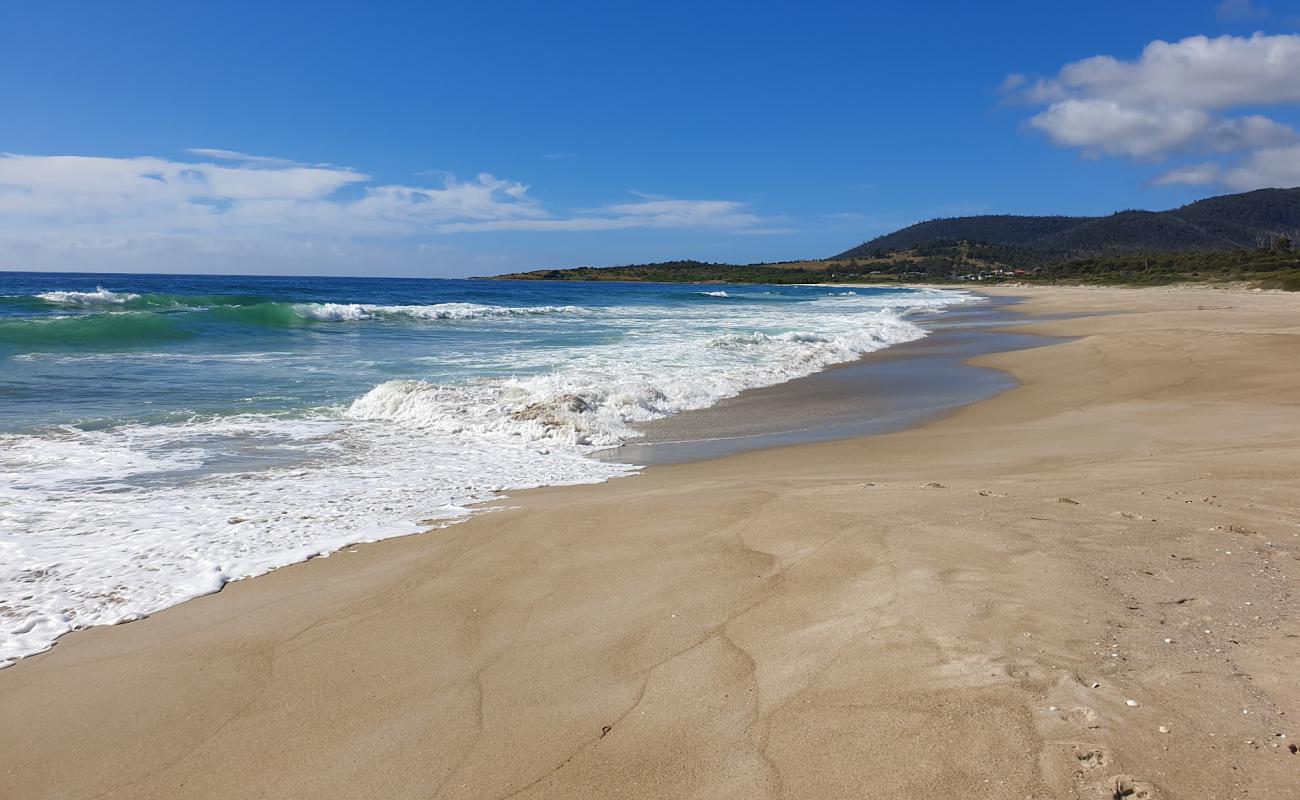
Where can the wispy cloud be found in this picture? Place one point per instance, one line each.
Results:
(1241, 11)
(1175, 100)
(658, 213)
(244, 158)
(225, 199)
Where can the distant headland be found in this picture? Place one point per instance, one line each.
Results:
(1254, 237)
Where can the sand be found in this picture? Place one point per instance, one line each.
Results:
(962, 609)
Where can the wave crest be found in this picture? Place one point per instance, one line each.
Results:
(99, 297)
(350, 312)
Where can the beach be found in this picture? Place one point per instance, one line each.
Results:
(1084, 586)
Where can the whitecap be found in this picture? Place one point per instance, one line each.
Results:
(100, 296)
(350, 312)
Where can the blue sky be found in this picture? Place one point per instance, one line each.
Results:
(450, 139)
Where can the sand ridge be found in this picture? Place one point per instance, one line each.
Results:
(963, 609)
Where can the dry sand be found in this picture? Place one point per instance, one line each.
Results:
(957, 610)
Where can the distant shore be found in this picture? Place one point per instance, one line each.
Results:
(1083, 586)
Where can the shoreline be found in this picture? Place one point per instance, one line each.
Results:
(817, 620)
(615, 466)
(890, 389)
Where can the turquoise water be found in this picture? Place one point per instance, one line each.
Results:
(161, 435)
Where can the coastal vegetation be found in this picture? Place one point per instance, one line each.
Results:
(1276, 267)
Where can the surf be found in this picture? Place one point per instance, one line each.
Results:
(211, 429)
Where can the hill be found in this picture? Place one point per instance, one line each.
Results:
(1230, 222)
(1240, 237)
(683, 272)
(1277, 267)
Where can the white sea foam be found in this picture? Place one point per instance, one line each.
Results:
(99, 297)
(72, 556)
(714, 294)
(98, 527)
(350, 312)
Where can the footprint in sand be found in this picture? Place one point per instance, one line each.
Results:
(1119, 787)
(1124, 787)
(1091, 758)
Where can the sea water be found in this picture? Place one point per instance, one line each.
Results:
(163, 435)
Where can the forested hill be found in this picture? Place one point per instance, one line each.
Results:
(1230, 222)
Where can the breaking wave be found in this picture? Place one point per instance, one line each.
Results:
(102, 319)
(599, 406)
(350, 312)
(100, 296)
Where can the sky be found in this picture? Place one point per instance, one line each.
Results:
(453, 139)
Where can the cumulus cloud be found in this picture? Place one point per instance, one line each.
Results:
(1176, 99)
(1105, 126)
(1197, 72)
(226, 201)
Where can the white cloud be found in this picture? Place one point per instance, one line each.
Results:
(1175, 99)
(484, 198)
(1197, 72)
(80, 187)
(230, 202)
(1105, 126)
(1275, 166)
(1247, 133)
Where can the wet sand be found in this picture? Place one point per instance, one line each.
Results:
(959, 609)
(887, 390)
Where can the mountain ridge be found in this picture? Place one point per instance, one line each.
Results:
(1222, 223)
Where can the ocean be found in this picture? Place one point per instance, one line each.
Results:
(161, 435)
